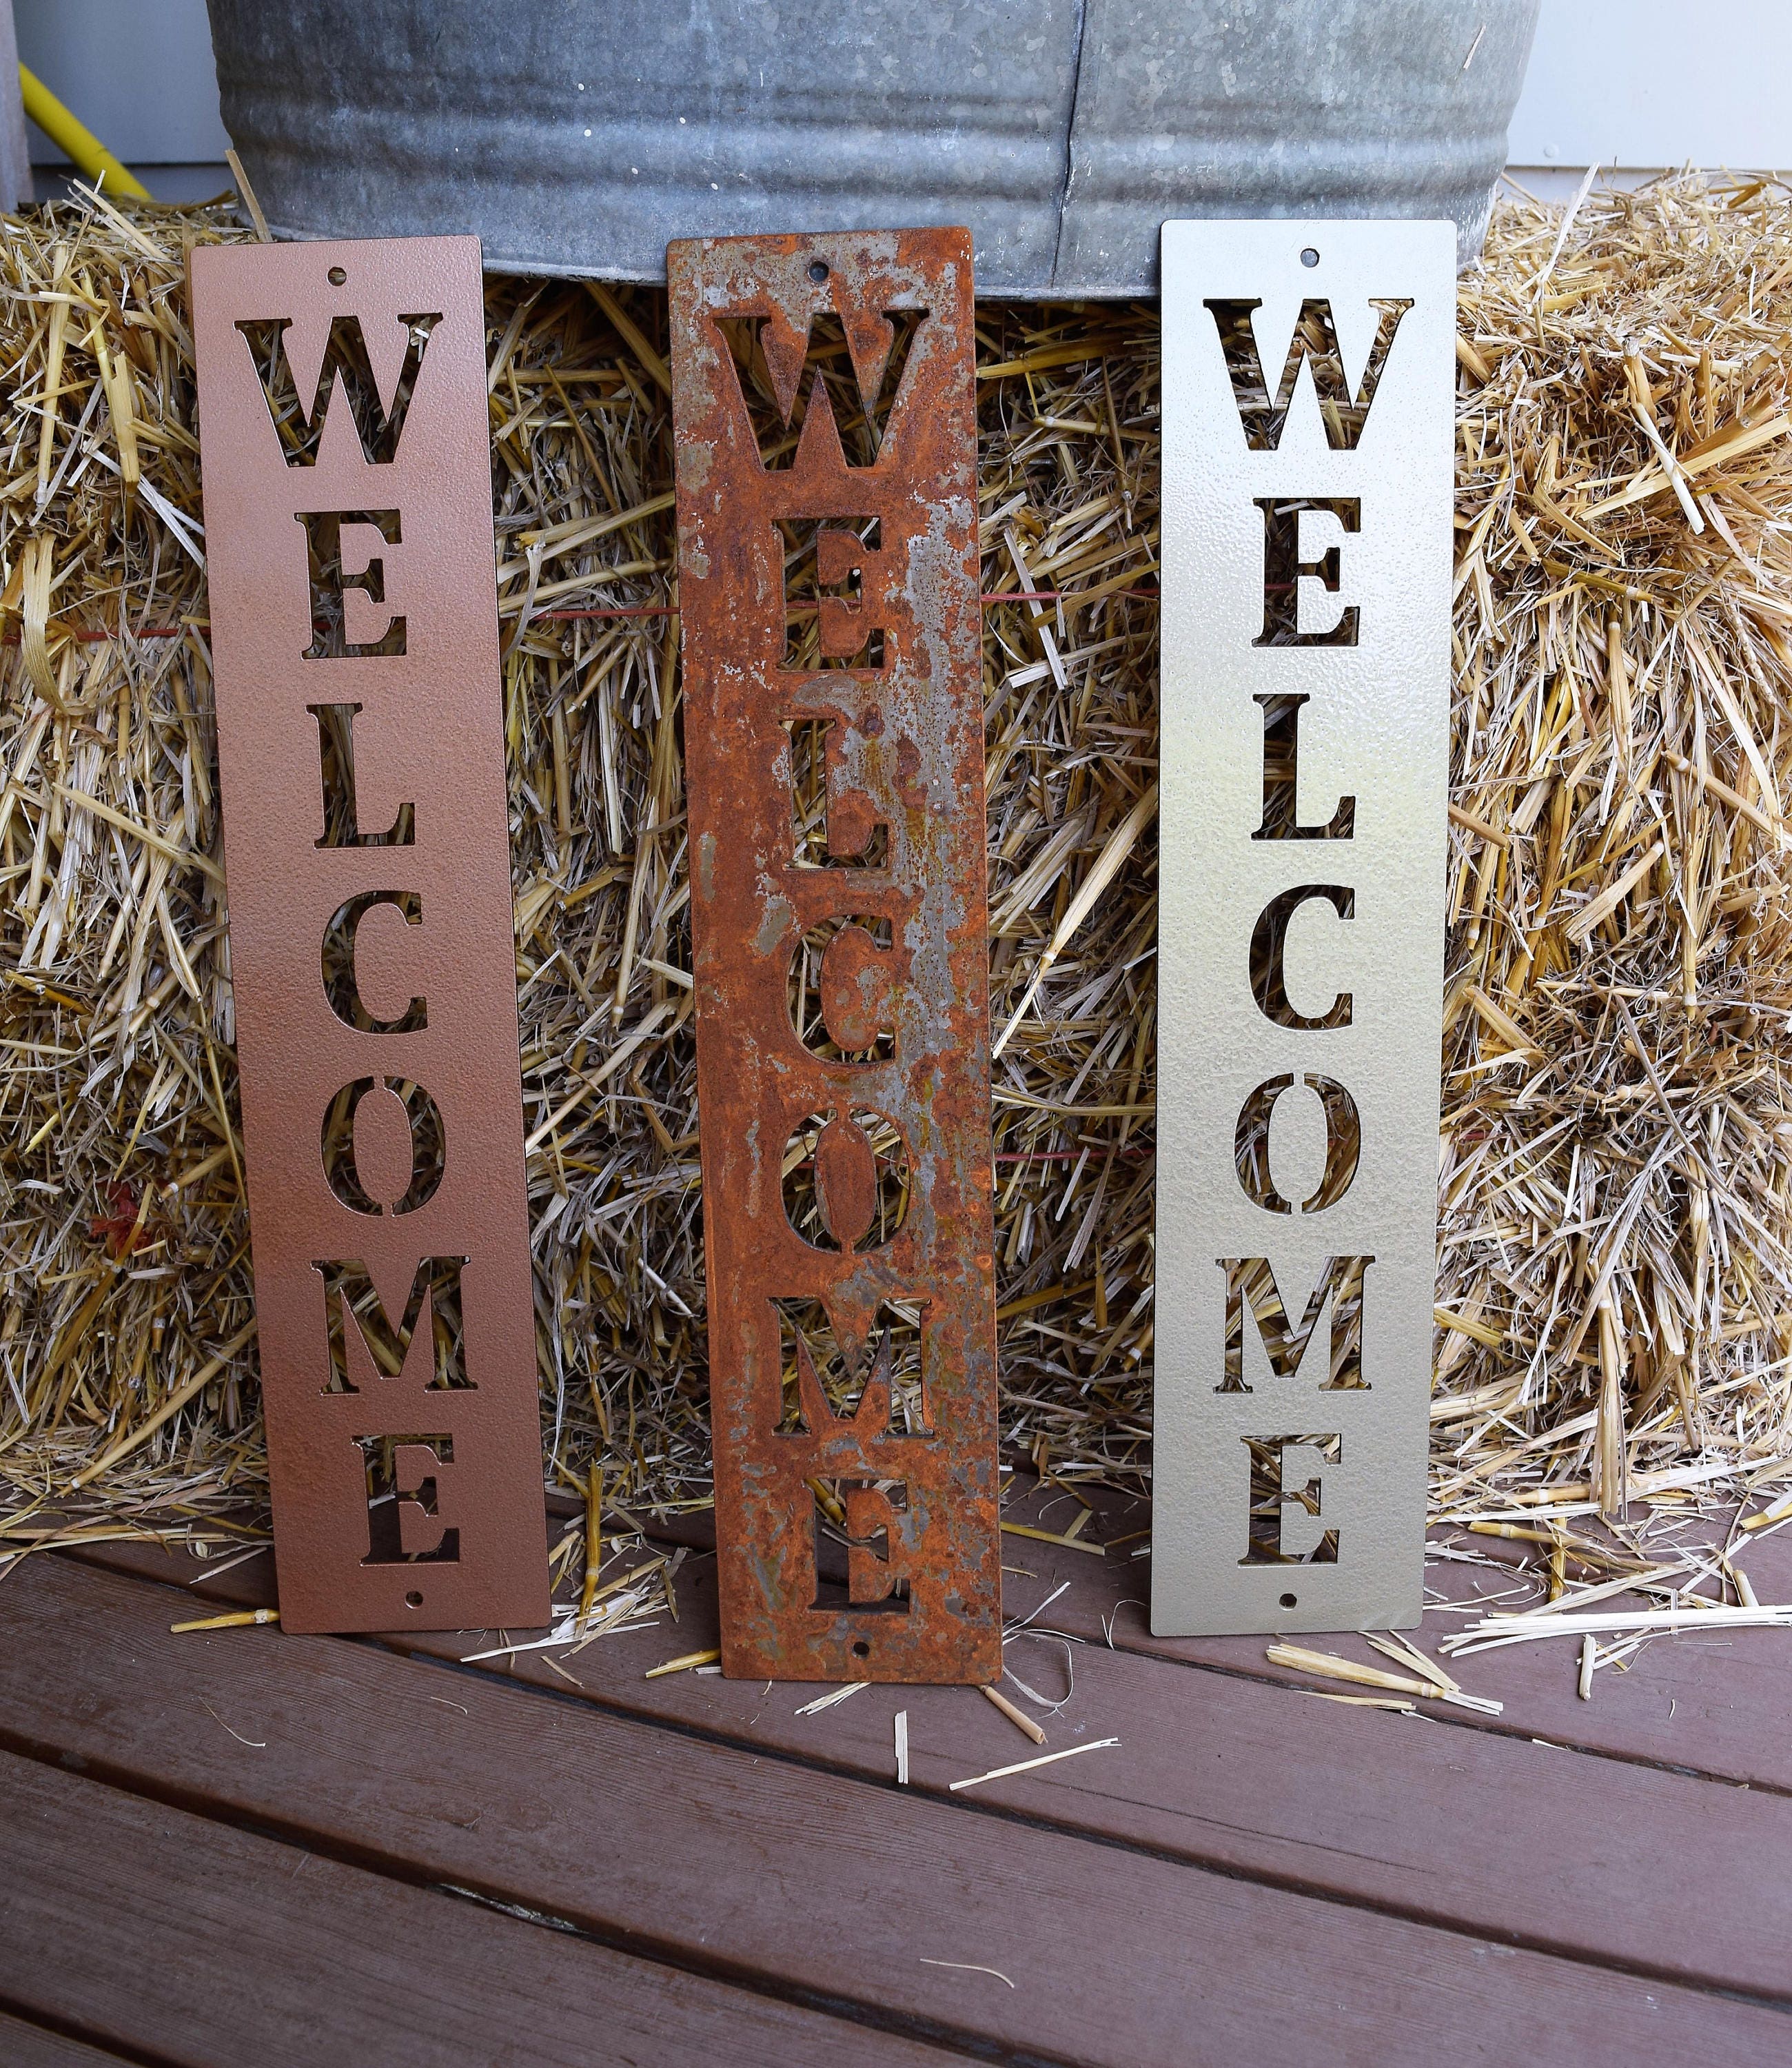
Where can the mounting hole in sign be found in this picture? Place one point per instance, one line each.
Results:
(1310, 257)
(414, 1599)
(1288, 1602)
(861, 1649)
(818, 271)
(338, 277)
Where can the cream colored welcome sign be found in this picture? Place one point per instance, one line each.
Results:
(1308, 377)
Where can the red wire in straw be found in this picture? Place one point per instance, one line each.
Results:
(88, 638)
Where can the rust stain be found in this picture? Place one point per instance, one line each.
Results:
(824, 394)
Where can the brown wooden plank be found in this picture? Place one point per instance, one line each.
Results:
(1709, 1704)
(1315, 1795)
(23, 2045)
(177, 1939)
(765, 1867)
(1258, 1778)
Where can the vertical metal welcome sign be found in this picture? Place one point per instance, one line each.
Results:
(1308, 381)
(824, 393)
(343, 436)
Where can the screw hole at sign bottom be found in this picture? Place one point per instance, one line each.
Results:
(818, 271)
(338, 277)
(1288, 1602)
(861, 1649)
(1310, 257)
(414, 1600)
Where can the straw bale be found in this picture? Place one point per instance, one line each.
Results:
(1614, 1299)
(1613, 1221)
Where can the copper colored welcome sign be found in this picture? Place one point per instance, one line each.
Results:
(349, 547)
(823, 389)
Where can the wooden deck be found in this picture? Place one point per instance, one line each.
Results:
(250, 1848)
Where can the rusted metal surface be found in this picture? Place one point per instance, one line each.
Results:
(825, 404)
(361, 757)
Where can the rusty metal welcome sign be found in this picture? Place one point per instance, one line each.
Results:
(1308, 379)
(823, 390)
(348, 540)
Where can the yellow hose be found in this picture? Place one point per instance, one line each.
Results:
(90, 155)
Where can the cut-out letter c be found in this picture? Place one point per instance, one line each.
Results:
(1269, 943)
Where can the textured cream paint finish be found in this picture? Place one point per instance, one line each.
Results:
(1376, 727)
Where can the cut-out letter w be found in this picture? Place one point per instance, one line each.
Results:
(345, 361)
(1315, 342)
(783, 393)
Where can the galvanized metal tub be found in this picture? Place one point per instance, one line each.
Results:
(579, 135)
